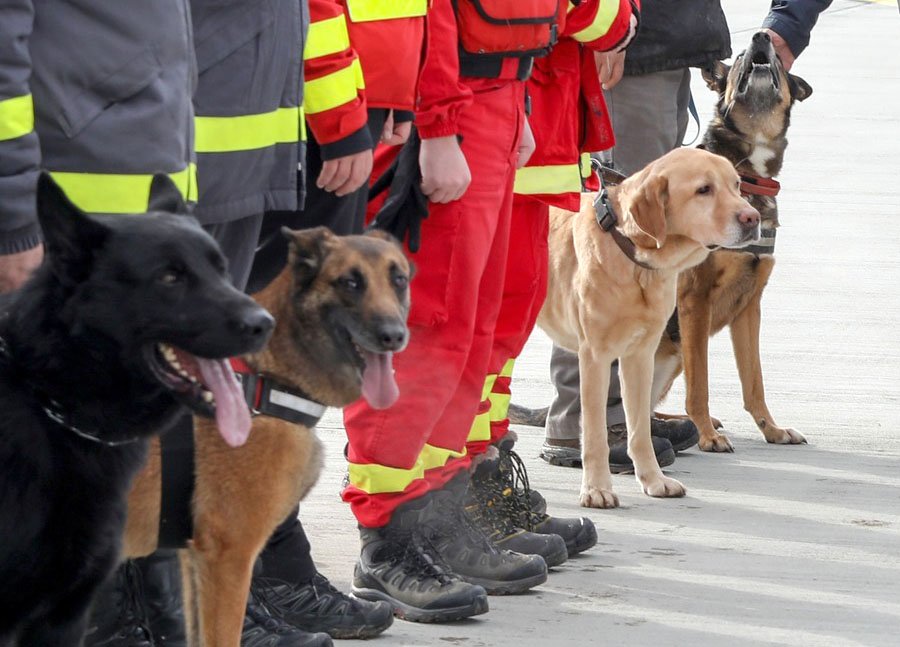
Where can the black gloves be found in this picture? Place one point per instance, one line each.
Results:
(406, 206)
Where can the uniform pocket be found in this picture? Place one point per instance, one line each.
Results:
(124, 82)
(225, 30)
(437, 273)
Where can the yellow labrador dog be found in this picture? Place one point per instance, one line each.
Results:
(611, 292)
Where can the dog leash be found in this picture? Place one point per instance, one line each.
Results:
(268, 397)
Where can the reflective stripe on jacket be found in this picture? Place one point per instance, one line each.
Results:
(248, 102)
(569, 116)
(108, 85)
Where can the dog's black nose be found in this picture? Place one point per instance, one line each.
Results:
(391, 335)
(761, 37)
(254, 324)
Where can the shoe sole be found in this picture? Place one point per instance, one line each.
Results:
(408, 612)
(664, 459)
(361, 633)
(494, 587)
(584, 540)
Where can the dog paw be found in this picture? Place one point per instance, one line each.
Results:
(786, 436)
(716, 443)
(716, 423)
(598, 498)
(663, 487)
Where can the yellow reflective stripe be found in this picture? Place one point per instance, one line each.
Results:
(333, 90)
(378, 479)
(366, 10)
(500, 401)
(327, 37)
(247, 132)
(603, 19)
(16, 117)
(507, 369)
(302, 125)
(585, 165)
(119, 193)
(481, 425)
(542, 180)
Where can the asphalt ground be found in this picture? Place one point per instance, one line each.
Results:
(773, 545)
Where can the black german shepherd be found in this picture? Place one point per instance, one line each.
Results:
(127, 321)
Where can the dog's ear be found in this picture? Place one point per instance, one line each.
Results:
(647, 208)
(716, 75)
(307, 250)
(71, 237)
(165, 196)
(800, 89)
(382, 234)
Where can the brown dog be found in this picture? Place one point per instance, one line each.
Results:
(752, 118)
(610, 294)
(341, 307)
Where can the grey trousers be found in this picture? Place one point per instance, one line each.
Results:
(649, 117)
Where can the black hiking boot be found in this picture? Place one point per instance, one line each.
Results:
(578, 533)
(119, 618)
(568, 452)
(398, 564)
(467, 550)
(682, 433)
(161, 576)
(319, 606)
(498, 512)
(262, 629)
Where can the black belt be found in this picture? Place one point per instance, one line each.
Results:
(490, 67)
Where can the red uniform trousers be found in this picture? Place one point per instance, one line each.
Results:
(524, 289)
(399, 454)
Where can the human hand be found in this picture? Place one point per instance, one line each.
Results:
(346, 174)
(526, 146)
(611, 67)
(445, 172)
(16, 268)
(395, 134)
(781, 48)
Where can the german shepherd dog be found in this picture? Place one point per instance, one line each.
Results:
(341, 305)
(748, 129)
(86, 379)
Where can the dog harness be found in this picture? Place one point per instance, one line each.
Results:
(607, 220)
(266, 396)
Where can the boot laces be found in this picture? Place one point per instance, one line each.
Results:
(516, 478)
(453, 521)
(414, 553)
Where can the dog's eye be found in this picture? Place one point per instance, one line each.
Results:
(401, 281)
(703, 190)
(351, 283)
(170, 277)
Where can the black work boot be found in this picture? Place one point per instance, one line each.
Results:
(682, 433)
(119, 617)
(494, 507)
(262, 629)
(398, 564)
(578, 533)
(318, 606)
(467, 550)
(161, 576)
(568, 452)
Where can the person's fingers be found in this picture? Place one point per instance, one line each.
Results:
(400, 134)
(618, 70)
(360, 170)
(326, 175)
(388, 130)
(341, 173)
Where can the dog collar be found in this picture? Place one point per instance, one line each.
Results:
(606, 218)
(56, 412)
(756, 185)
(268, 397)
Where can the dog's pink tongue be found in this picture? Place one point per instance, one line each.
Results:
(232, 415)
(379, 387)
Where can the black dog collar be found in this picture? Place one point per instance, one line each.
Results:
(606, 218)
(56, 412)
(266, 396)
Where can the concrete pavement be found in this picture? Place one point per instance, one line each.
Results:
(772, 545)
